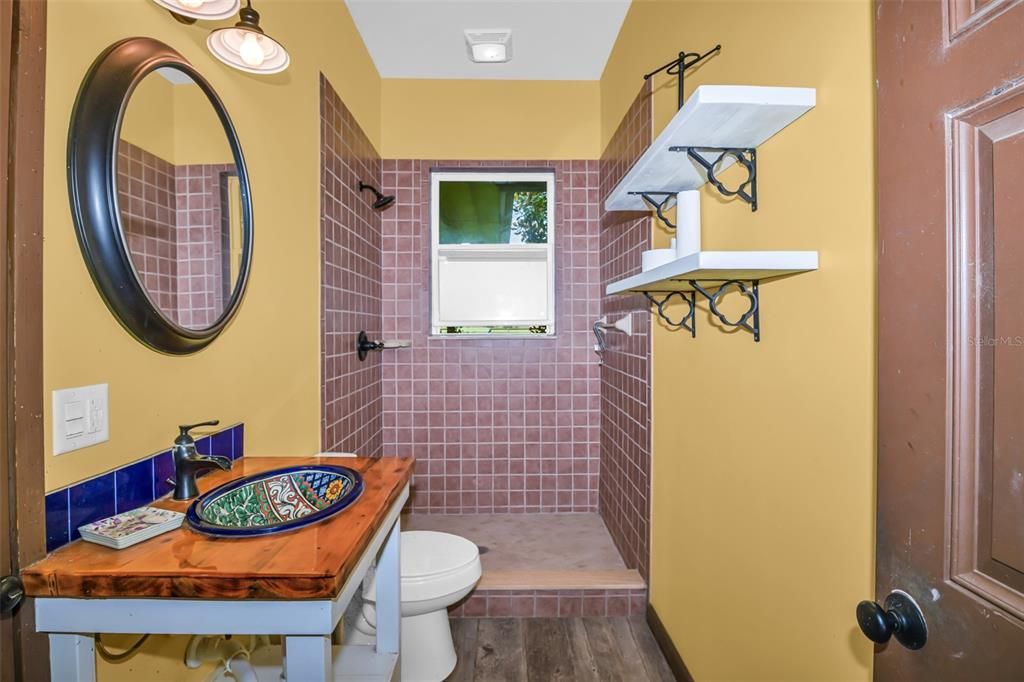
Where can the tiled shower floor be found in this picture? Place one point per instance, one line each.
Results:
(542, 565)
(530, 542)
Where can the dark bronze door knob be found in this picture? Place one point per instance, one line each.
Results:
(900, 617)
(11, 593)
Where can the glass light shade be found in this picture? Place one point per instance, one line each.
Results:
(208, 10)
(489, 52)
(248, 50)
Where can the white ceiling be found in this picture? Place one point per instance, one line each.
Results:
(551, 39)
(174, 76)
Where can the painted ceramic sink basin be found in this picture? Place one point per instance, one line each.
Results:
(275, 501)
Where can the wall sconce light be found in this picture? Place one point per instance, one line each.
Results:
(246, 47)
(382, 201)
(188, 11)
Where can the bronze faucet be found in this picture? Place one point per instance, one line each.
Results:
(187, 462)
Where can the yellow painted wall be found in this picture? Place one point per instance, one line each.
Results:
(199, 135)
(147, 120)
(499, 120)
(264, 369)
(763, 472)
(176, 122)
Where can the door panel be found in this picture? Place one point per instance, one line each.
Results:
(951, 333)
(1001, 527)
(965, 15)
(987, 342)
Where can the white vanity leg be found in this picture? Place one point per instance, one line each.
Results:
(72, 658)
(308, 659)
(389, 594)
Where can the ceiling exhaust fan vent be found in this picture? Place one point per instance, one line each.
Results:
(489, 46)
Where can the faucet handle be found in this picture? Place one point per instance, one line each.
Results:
(185, 437)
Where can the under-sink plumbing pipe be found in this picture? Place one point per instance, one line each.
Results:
(232, 657)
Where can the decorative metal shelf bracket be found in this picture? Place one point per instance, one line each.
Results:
(687, 321)
(745, 156)
(658, 206)
(749, 320)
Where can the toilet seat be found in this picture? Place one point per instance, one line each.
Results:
(433, 565)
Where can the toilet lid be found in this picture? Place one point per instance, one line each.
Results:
(427, 552)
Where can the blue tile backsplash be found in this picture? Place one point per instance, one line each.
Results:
(91, 500)
(56, 519)
(130, 487)
(134, 485)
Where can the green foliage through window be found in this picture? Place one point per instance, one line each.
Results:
(530, 217)
(493, 212)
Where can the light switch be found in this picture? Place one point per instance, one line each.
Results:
(96, 417)
(74, 427)
(74, 410)
(80, 418)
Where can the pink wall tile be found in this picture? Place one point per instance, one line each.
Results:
(551, 604)
(200, 255)
(496, 425)
(625, 375)
(350, 282)
(171, 216)
(146, 202)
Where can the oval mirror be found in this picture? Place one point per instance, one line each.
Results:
(160, 196)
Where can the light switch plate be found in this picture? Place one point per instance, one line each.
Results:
(80, 418)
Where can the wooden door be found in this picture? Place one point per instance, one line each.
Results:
(951, 333)
(23, 653)
(7, 567)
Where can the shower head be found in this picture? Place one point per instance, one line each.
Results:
(382, 201)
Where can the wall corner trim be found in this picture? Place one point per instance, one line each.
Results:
(668, 648)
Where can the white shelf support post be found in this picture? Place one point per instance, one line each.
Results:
(687, 223)
(389, 594)
(308, 658)
(72, 657)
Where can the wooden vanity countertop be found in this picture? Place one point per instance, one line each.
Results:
(309, 563)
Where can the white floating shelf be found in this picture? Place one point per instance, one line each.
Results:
(717, 266)
(733, 116)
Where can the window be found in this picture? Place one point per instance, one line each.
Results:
(492, 253)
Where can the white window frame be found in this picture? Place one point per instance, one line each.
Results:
(436, 249)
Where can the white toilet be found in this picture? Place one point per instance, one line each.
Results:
(438, 569)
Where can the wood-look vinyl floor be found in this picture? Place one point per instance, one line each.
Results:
(554, 649)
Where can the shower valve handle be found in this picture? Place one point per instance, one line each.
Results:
(364, 345)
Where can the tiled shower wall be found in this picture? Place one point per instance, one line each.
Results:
(496, 425)
(625, 375)
(145, 197)
(350, 262)
(172, 219)
(201, 263)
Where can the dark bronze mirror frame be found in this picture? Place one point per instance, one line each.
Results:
(92, 185)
